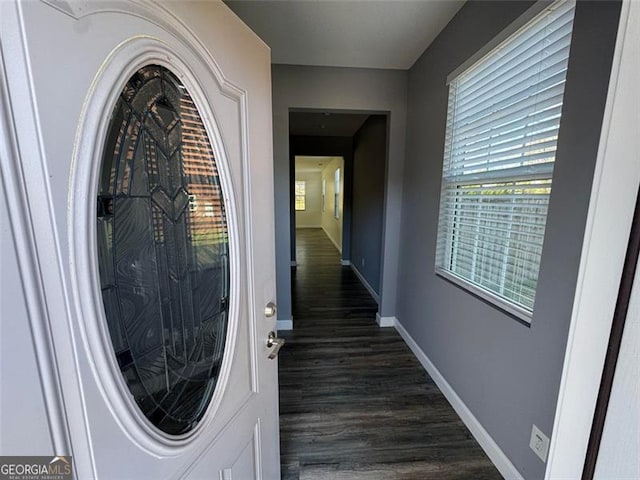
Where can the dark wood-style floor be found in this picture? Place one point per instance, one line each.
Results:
(354, 401)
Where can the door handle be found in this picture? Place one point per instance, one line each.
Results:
(275, 343)
(270, 310)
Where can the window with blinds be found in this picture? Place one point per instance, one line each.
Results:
(502, 130)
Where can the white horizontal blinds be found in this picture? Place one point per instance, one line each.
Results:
(495, 236)
(502, 129)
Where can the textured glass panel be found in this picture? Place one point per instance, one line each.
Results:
(163, 250)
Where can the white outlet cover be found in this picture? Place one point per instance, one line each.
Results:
(539, 443)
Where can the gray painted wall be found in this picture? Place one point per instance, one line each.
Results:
(369, 158)
(338, 89)
(507, 374)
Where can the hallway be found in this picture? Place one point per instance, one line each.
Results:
(354, 401)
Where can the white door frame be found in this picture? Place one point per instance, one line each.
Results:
(611, 209)
(20, 139)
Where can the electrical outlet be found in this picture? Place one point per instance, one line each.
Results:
(539, 443)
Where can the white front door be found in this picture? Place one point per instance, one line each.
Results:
(137, 172)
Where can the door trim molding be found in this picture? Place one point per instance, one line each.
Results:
(615, 187)
(24, 238)
(613, 348)
(28, 190)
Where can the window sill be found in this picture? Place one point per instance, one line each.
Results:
(517, 313)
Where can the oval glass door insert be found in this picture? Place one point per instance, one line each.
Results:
(163, 250)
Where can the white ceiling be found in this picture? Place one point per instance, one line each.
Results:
(312, 164)
(346, 33)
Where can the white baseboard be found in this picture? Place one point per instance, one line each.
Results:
(345, 263)
(308, 226)
(386, 321)
(488, 444)
(366, 284)
(339, 247)
(284, 324)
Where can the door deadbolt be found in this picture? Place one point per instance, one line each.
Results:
(270, 310)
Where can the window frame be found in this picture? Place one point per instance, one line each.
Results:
(302, 196)
(511, 307)
(336, 193)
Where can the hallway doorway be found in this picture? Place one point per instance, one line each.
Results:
(338, 178)
(319, 189)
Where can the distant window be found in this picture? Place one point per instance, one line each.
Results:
(500, 146)
(301, 195)
(336, 195)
